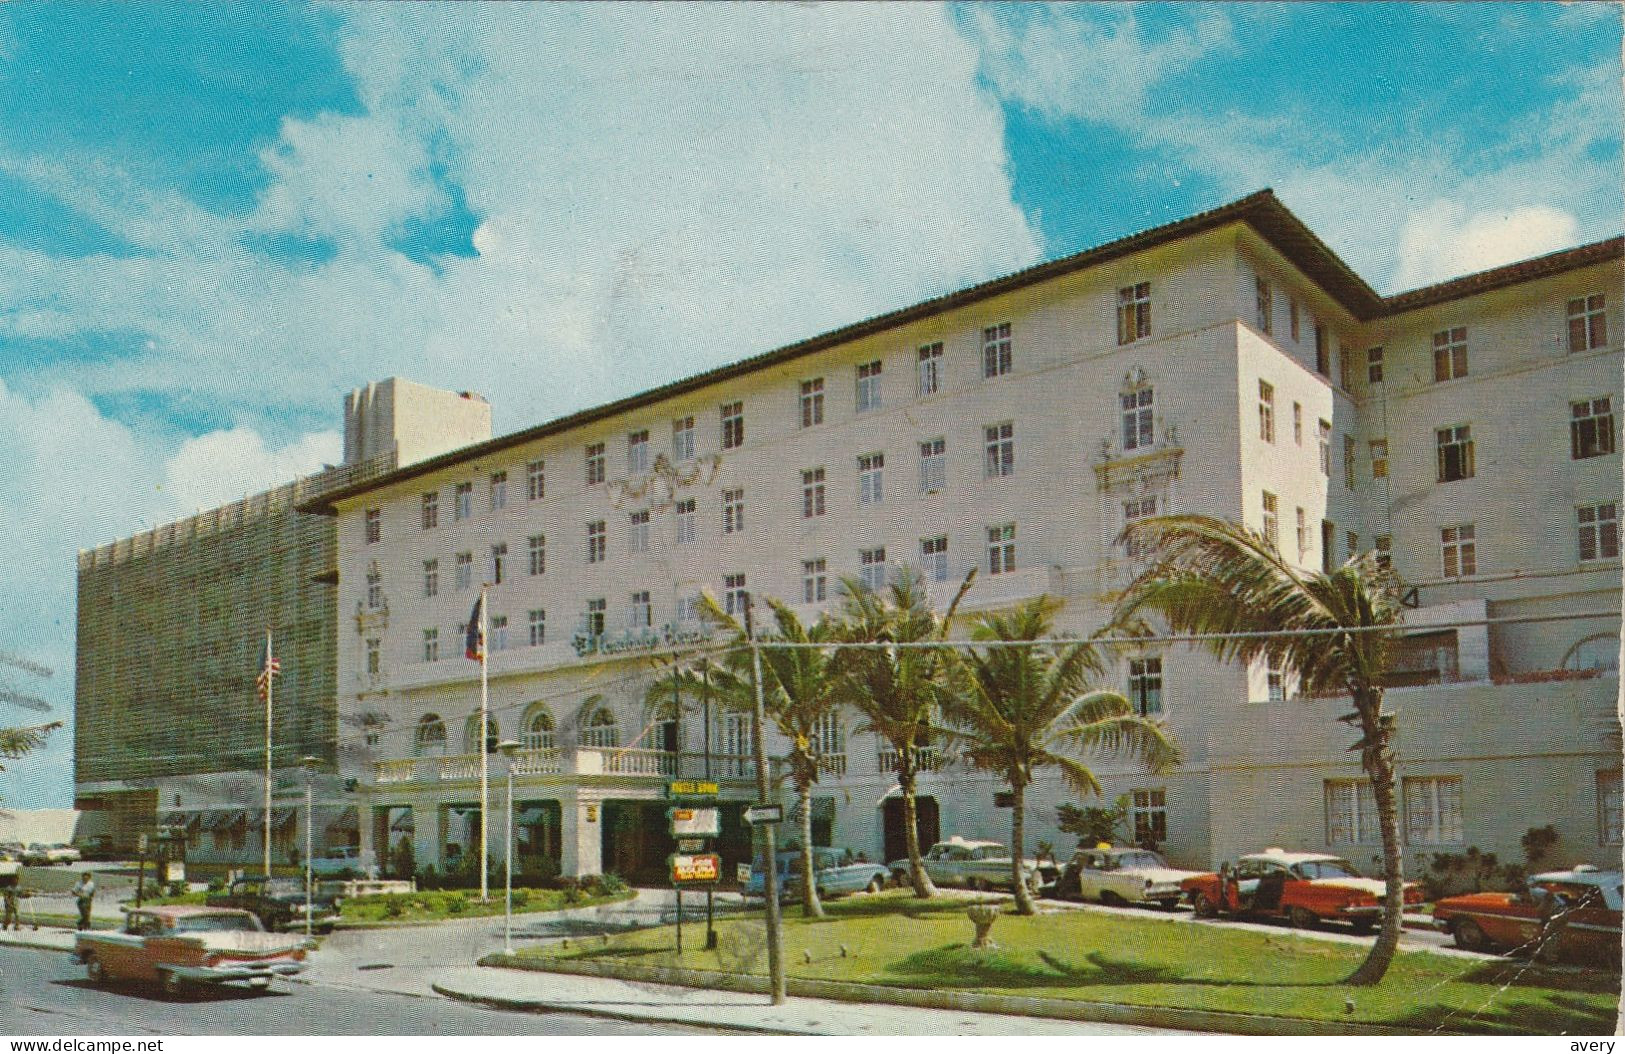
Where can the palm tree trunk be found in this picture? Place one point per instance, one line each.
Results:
(810, 906)
(1018, 837)
(1378, 761)
(923, 886)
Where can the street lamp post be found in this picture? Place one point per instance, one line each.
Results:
(509, 748)
(309, 764)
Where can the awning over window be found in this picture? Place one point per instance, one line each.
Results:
(221, 819)
(346, 820)
(283, 816)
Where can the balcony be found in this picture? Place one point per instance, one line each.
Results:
(931, 759)
(613, 762)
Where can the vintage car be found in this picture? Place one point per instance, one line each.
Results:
(1305, 888)
(1121, 875)
(1571, 914)
(279, 903)
(836, 871)
(182, 946)
(974, 865)
(343, 861)
(40, 854)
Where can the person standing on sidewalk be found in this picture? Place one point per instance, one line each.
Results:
(84, 891)
(10, 919)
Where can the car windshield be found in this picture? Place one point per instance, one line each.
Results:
(1142, 859)
(1330, 868)
(215, 923)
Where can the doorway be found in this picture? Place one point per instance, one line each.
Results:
(927, 823)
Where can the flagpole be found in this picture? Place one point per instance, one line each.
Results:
(485, 757)
(270, 681)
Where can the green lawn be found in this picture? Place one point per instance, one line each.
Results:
(438, 905)
(892, 939)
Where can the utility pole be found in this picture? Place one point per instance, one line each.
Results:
(775, 944)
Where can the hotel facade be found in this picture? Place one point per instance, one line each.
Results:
(1228, 364)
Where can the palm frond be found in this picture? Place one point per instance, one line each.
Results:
(15, 742)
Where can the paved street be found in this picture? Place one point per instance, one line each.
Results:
(44, 993)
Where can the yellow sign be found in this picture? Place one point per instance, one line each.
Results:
(701, 867)
(692, 788)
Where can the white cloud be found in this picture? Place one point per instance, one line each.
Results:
(223, 466)
(1443, 240)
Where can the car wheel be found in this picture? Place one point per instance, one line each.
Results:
(1363, 926)
(1112, 900)
(95, 972)
(1303, 918)
(876, 885)
(174, 987)
(1205, 907)
(1469, 936)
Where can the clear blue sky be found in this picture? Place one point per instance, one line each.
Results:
(216, 220)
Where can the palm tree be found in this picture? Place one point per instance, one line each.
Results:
(1017, 710)
(896, 690)
(1210, 576)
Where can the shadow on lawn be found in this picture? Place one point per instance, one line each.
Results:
(955, 965)
(1554, 1015)
(889, 906)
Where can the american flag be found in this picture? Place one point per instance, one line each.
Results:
(273, 666)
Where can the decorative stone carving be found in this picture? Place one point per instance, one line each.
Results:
(659, 488)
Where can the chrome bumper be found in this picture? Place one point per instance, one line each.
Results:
(244, 972)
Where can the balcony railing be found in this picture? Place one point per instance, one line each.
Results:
(632, 762)
(930, 759)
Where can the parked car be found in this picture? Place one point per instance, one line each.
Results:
(1305, 888)
(97, 847)
(1571, 914)
(61, 853)
(835, 871)
(12, 851)
(974, 865)
(343, 861)
(184, 945)
(279, 903)
(38, 854)
(1121, 875)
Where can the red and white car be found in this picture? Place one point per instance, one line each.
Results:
(182, 946)
(1572, 914)
(1305, 888)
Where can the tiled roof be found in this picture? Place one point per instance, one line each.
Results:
(1511, 274)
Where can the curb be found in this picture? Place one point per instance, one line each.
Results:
(973, 1002)
(543, 1005)
(35, 945)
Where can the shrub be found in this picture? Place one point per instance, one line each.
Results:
(611, 885)
(394, 906)
(217, 885)
(1537, 842)
(176, 889)
(1092, 824)
(521, 897)
(456, 904)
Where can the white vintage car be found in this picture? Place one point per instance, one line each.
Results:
(970, 865)
(1121, 875)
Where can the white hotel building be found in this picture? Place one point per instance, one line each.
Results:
(1227, 364)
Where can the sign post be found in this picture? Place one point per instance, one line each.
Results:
(694, 819)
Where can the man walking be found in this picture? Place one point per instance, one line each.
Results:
(9, 920)
(84, 891)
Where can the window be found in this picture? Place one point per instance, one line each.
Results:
(1001, 549)
(375, 588)
(1345, 369)
(1303, 533)
(872, 569)
(1373, 365)
(1433, 810)
(463, 501)
(871, 489)
(734, 595)
(1608, 807)
(1348, 462)
(733, 510)
(431, 645)
(375, 525)
(1266, 411)
(1297, 423)
(733, 737)
(637, 452)
(812, 493)
(1353, 541)
(1460, 560)
(536, 480)
(1138, 509)
(684, 514)
(828, 737)
(1324, 437)
(1328, 545)
(375, 660)
(934, 557)
(997, 353)
(1455, 453)
(1323, 350)
(1145, 686)
(1588, 323)
(1598, 652)
(499, 557)
(538, 626)
(814, 581)
(1383, 546)
(1133, 312)
(930, 368)
(733, 425)
(596, 548)
(1272, 524)
(869, 386)
(595, 463)
(465, 570)
(431, 509)
(812, 402)
(1351, 812)
(1450, 354)
(639, 612)
(688, 608)
(1379, 458)
(429, 737)
(539, 732)
(933, 465)
(602, 730)
(1591, 428)
(1150, 816)
(597, 609)
(1001, 449)
(1137, 407)
(682, 438)
(1266, 305)
(536, 544)
(431, 578)
(1599, 531)
(498, 491)
(637, 531)
(499, 633)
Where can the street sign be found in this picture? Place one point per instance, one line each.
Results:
(692, 789)
(761, 814)
(691, 845)
(692, 821)
(696, 867)
(742, 873)
(141, 844)
(1004, 800)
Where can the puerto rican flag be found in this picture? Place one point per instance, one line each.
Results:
(474, 639)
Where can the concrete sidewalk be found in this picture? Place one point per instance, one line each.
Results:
(672, 1005)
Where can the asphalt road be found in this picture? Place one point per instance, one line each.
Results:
(44, 994)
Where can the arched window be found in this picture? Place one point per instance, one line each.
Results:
(1600, 652)
(430, 735)
(601, 730)
(471, 734)
(538, 734)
